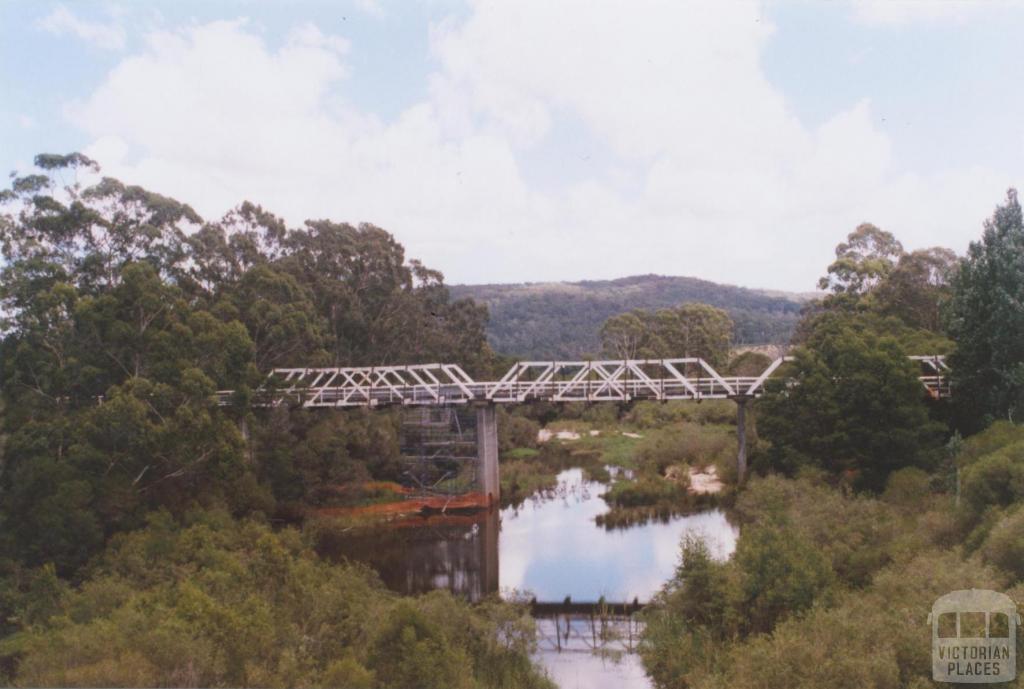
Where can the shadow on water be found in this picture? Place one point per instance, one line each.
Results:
(454, 552)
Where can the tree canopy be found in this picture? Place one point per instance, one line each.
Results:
(690, 330)
(986, 318)
(854, 407)
(123, 311)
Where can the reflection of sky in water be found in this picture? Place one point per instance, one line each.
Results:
(588, 671)
(553, 548)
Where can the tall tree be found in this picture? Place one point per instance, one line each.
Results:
(862, 261)
(122, 312)
(986, 318)
(918, 288)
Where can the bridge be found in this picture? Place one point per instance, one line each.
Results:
(618, 380)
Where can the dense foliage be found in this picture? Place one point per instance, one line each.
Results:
(134, 509)
(831, 587)
(854, 407)
(824, 590)
(124, 311)
(986, 319)
(226, 603)
(133, 548)
(688, 330)
(562, 320)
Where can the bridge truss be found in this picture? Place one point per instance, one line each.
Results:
(620, 380)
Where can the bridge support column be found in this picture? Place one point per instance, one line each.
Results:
(487, 451)
(741, 438)
(243, 427)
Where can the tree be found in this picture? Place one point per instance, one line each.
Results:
(862, 261)
(918, 288)
(689, 330)
(855, 407)
(986, 318)
(122, 312)
(782, 574)
(628, 335)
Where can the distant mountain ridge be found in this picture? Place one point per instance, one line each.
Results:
(555, 320)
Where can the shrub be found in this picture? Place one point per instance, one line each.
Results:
(691, 444)
(854, 533)
(515, 431)
(994, 479)
(782, 574)
(908, 488)
(997, 436)
(224, 603)
(1004, 546)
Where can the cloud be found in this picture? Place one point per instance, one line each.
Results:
(902, 12)
(374, 8)
(693, 163)
(26, 122)
(61, 21)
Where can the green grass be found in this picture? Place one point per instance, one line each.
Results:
(613, 447)
(522, 478)
(521, 453)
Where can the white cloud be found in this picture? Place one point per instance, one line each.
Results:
(26, 122)
(902, 12)
(61, 21)
(373, 8)
(707, 171)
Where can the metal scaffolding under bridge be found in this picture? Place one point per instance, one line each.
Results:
(620, 380)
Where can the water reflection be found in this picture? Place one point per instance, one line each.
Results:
(455, 552)
(553, 548)
(550, 547)
(590, 671)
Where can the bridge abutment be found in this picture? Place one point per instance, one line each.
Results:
(487, 451)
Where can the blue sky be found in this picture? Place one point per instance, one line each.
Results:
(531, 141)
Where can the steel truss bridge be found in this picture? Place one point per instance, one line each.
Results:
(620, 380)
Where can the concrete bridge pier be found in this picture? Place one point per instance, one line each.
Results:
(487, 451)
(741, 438)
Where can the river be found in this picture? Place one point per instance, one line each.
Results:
(549, 547)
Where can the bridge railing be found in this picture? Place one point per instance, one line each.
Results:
(555, 381)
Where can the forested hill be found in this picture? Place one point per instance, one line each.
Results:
(562, 319)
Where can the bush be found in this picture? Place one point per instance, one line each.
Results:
(692, 444)
(645, 491)
(224, 603)
(521, 478)
(515, 431)
(997, 436)
(908, 488)
(855, 534)
(876, 637)
(782, 574)
(689, 620)
(995, 479)
(1004, 546)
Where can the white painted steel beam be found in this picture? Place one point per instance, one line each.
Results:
(620, 380)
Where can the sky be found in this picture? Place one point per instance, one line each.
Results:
(543, 140)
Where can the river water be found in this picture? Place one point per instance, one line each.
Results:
(550, 548)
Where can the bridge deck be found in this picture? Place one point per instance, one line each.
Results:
(555, 381)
